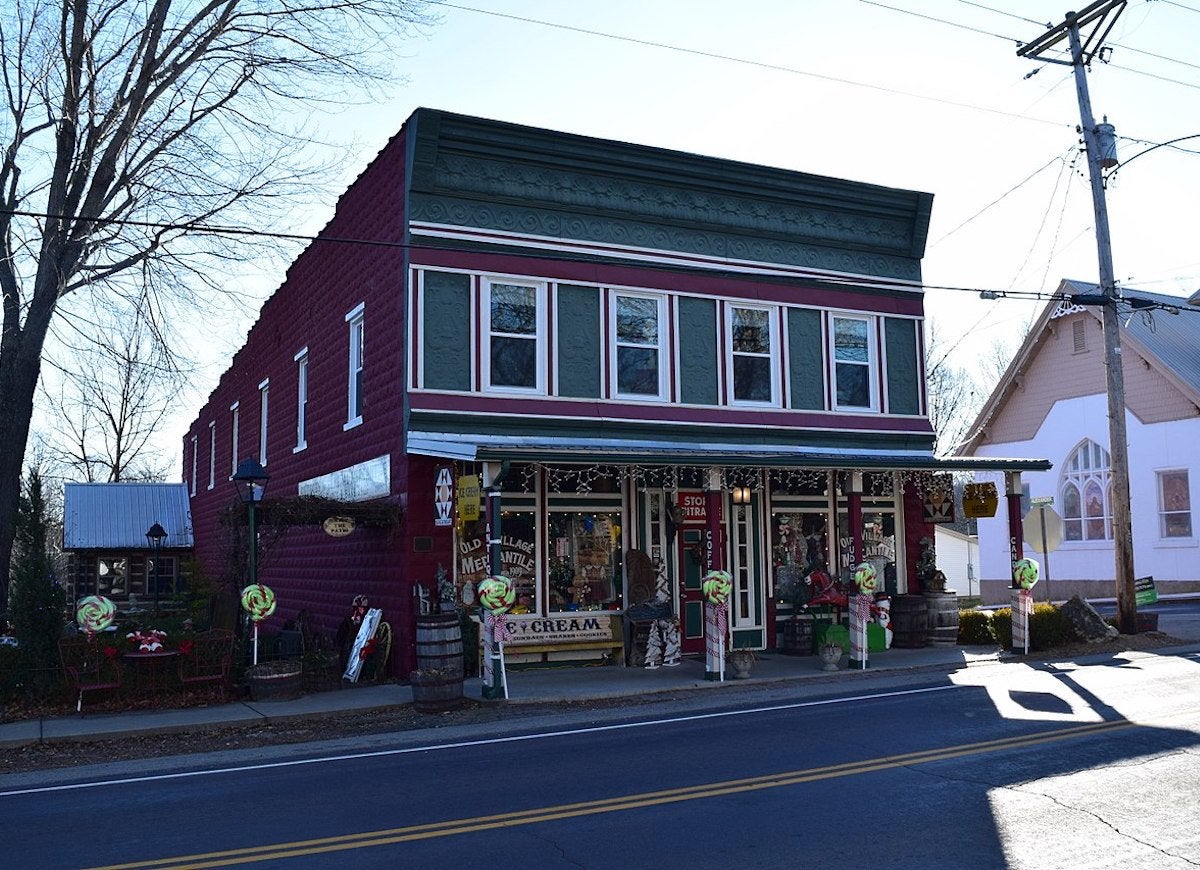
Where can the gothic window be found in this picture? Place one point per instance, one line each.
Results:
(1086, 491)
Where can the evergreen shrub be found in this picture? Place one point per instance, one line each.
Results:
(974, 628)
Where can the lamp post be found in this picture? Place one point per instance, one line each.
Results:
(155, 536)
(250, 480)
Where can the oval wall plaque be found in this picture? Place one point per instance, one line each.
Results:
(338, 527)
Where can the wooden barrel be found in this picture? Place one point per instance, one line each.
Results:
(435, 694)
(797, 636)
(943, 618)
(910, 621)
(439, 644)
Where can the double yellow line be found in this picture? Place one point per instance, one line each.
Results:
(629, 802)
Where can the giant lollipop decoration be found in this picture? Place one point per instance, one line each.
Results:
(259, 602)
(497, 594)
(1026, 572)
(866, 578)
(95, 613)
(716, 587)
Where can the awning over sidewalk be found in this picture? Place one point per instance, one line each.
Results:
(540, 448)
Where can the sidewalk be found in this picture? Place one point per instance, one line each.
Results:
(524, 687)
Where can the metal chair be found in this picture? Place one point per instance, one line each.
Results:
(208, 660)
(87, 667)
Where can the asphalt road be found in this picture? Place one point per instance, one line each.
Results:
(1014, 765)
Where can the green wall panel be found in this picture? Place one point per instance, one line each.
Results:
(447, 326)
(900, 340)
(698, 351)
(578, 331)
(806, 369)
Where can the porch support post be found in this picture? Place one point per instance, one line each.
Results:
(1021, 600)
(494, 684)
(716, 616)
(854, 516)
(860, 608)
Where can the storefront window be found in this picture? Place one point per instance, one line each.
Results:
(584, 560)
(879, 546)
(799, 546)
(518, 558)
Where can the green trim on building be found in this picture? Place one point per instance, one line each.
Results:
(806, 359)
(492, 175)
(447, 331)
(698, 382)
(900, 342)
(578, 341)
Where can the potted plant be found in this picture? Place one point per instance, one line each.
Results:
(277, 680)
(742, 662)
(831, 654)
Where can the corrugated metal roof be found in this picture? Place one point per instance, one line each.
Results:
(116, 516)
(1170, 337)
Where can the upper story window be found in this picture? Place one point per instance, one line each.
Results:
(1086, 489)
(264, 390)
(515, 330)
(753, 347)
(354, 404)
(301, 400)
(233, 424)
(212, 454)
(1174, 504)
(853, 363)
(638, 361)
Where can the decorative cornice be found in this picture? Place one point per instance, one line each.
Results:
(473, 172)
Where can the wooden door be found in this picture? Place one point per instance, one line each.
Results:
(691, 599)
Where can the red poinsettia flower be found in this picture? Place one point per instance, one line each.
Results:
(185, 647)
(110, 652)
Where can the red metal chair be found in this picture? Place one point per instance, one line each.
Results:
(87, 667)
(207, 660)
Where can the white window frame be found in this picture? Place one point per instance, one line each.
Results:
(195, 462)
(539, 337)
(1162, 506)
(301, 359)
(233, 412)
(616, 344)
(212, 454)
(264, 393)
(357, 339)
(872, 363)
(773, 321)
(1093, 471)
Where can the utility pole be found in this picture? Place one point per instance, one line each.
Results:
(1101, 16)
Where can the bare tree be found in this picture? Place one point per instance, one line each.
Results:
(113, 395)
(129, 126)
(953, 398)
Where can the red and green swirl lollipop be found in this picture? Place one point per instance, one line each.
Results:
(866, 578)
(259, 601)
(95, 613)
(716, 586)
(497, 594)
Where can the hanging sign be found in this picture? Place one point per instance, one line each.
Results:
(338, 527)
(443, 497)
(939, 506)
(980, 500)
(468, 497)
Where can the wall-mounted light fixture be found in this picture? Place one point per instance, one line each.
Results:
(741, 495)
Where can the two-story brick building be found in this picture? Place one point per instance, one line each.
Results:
(706, 362)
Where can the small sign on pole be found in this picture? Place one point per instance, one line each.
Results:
(1144, 591)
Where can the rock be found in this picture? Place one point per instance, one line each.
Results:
(1088, 624)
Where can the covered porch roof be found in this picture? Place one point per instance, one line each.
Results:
(617, 451)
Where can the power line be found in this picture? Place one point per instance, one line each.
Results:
(1003, 12)
(752, 63)
(1179, 5)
